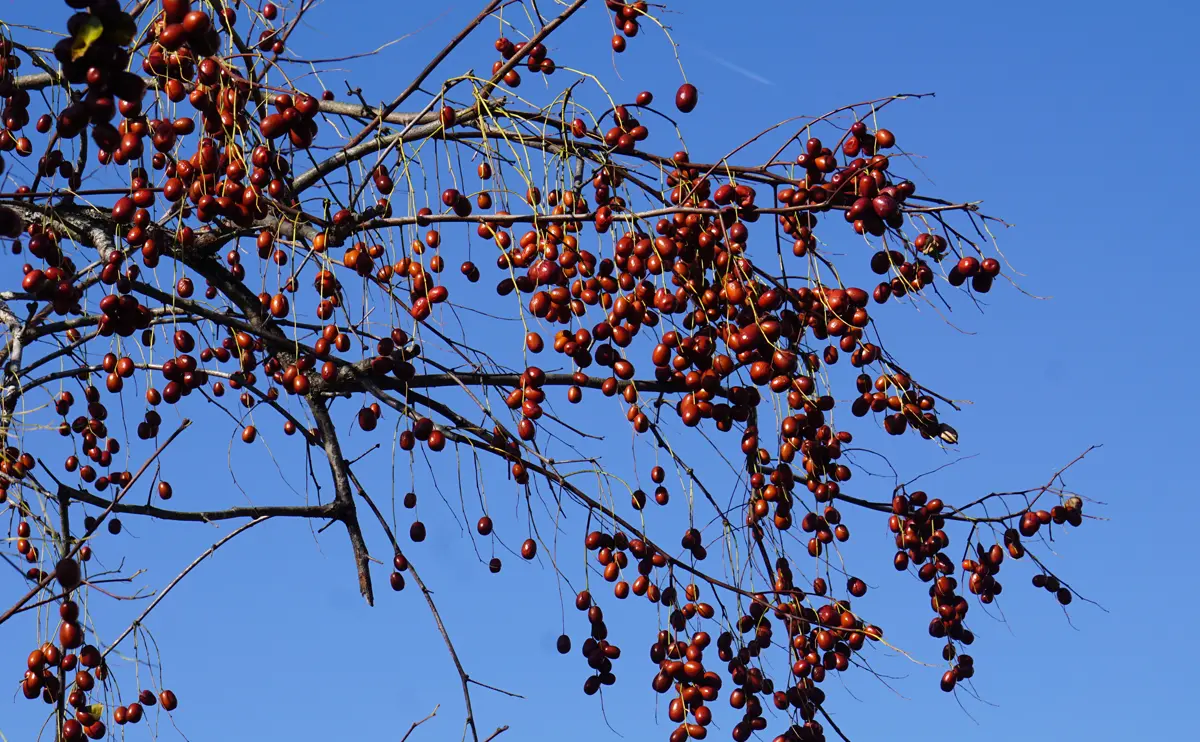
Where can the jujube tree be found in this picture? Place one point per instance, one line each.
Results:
(198, 225)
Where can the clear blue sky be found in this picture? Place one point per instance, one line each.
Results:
(1071, 121)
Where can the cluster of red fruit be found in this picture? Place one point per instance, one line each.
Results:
(94, 54)
(14, 115)
(907, 405)
(625, 20)
(294, 117)
(269, 39)
(51, 664)
(820, 641)
(535, 61)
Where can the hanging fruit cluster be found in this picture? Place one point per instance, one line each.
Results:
(236, 243)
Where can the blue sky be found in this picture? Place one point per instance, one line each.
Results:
(1070, 121)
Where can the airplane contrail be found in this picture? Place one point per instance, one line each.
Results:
(740, 70)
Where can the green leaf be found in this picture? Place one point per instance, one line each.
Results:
(91, 30)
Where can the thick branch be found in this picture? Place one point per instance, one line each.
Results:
(204, 516)
(344, 498)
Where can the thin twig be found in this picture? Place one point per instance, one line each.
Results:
(171, 585)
